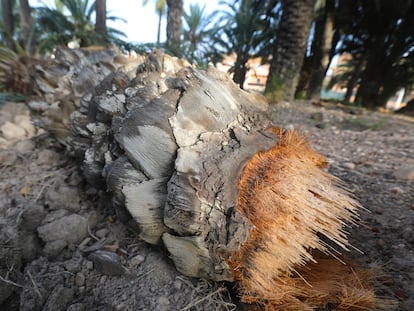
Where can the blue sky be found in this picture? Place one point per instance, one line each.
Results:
(141, 22)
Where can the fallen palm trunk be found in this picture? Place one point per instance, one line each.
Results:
(200, 168)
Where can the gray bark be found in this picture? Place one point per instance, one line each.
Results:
(174, 26)
(26, 22)
(290, 48)
(100, 25)
(7, 6)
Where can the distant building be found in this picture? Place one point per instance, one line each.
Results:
(256, 75)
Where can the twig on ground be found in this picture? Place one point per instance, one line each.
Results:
(144, 274)
(92, 235)
(36, 288)
(5, 280)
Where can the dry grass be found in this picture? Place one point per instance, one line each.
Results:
(209, 296)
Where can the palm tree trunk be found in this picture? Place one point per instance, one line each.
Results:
(369, 90)
(240, 72)
(6, 6)
(174, 25)
(159, 28)
(100, 24)
(321, 46)
(290, 47)
(26, 23)
(352, 82)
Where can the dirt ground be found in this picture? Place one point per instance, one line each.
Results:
(62, 247)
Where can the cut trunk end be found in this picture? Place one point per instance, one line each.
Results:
(290, 201)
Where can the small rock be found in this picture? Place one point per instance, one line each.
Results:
(73, 265)
(107, 263)
(348, 165)
(54, 215)
(103, 279)
(72, 229)
(178, 284)
(29, 245)
(25, 146)
(47, 156)
(24, 122)
(32, 217)
(8, 157)
(137, 260)
(405, 172)
(101, 233)
(89, 265)
(12, 131)
(163, 301)
(52, 249)
(120, 306)
(63, 197)
(396, 190)
(381, 243)
(79, 279)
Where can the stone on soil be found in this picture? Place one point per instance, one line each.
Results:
(24, 122)
(12, 131)
(25, 146)
(72, 229)
(107, 262)
(53, 248)
(405, 172)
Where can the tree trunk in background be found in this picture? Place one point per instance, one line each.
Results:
(290, 48)
(100, 24)
(26, 23)
(159, 29)
(7, 6)
(369, 90)
(321, 47)
(240, 71)
(174, 26)
(352, 82)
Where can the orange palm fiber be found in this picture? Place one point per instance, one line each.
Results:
(290, 201)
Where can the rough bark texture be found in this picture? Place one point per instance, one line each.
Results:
(26, 23)
(6, 6)
(290, 47)
(197, 164)
(174, 25)
(100, 25)
(321, 46)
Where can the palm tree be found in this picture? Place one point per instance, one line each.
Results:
(71, 20)
(243, 31)
(196, 32)
(381, 32)
(289, 48)
(160, 9)
(174, 26)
